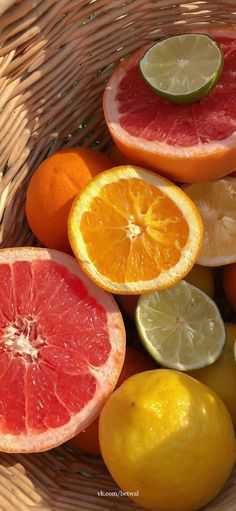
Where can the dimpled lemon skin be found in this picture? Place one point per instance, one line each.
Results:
(168, 437)
(221, 376)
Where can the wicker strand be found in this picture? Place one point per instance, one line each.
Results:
(62, 480)
(55, 58)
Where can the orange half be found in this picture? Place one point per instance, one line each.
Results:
(134, 231)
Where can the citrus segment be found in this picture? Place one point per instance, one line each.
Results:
(61, 350)
(133, 231)
(216, 203)
(52, 189)
(188, 143)
(199, 276)
(181, 327)
(183, 68)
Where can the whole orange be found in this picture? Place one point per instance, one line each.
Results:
(229, 284)
(128, 304)
(52, 189)
(118, 157)
(135, 362)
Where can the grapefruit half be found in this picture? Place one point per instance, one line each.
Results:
(188, 143)
(62, 348)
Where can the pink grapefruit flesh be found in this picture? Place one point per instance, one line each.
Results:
(61, 349)
(187, 142)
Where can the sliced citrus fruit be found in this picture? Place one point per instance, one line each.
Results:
(188, 143)
(183, 68)
(216, 202)
(181, 327)
(133, 231)
(135, 362)
(199, 276)
(61, 352)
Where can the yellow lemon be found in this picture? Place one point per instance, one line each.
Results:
(168, 440)
(203, 278)
(221, 376)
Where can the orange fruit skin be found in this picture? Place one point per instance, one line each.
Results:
(229, 284)
(118, 157)
(86, 244)
(135, 362)
(181, 169)
(52, 189)
(128, 304)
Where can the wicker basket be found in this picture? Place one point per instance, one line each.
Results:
(55, 57)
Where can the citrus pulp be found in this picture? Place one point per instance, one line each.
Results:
(187, 143)
(52, 189)
(133, 231)
(181, 327)
(199, 276)
(61, 352)
(216, 203)
(135, 362)
(183, 68)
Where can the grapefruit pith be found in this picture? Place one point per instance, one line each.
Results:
(62, 348)
(188, 143)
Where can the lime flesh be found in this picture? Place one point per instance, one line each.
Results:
(180, 327)
(183, 68)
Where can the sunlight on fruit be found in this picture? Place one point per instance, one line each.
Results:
(135, 362)
(221, 376)
(161, 433)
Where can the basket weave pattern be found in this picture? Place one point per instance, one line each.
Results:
(55, 58)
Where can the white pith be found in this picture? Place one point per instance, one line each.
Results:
(181, 327)
(113, 118)
(192, 64)
(106, 375)
(219, 227)
(20, 343)
(190, 213)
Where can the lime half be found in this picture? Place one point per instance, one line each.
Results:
(183, 68)
(181, 327)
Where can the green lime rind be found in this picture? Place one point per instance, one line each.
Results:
(195, 94)
(180, 327)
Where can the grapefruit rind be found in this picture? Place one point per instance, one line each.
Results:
(167, 278)
(106, 376)
(201, 162)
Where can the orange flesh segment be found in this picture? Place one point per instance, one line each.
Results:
(133, 231)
